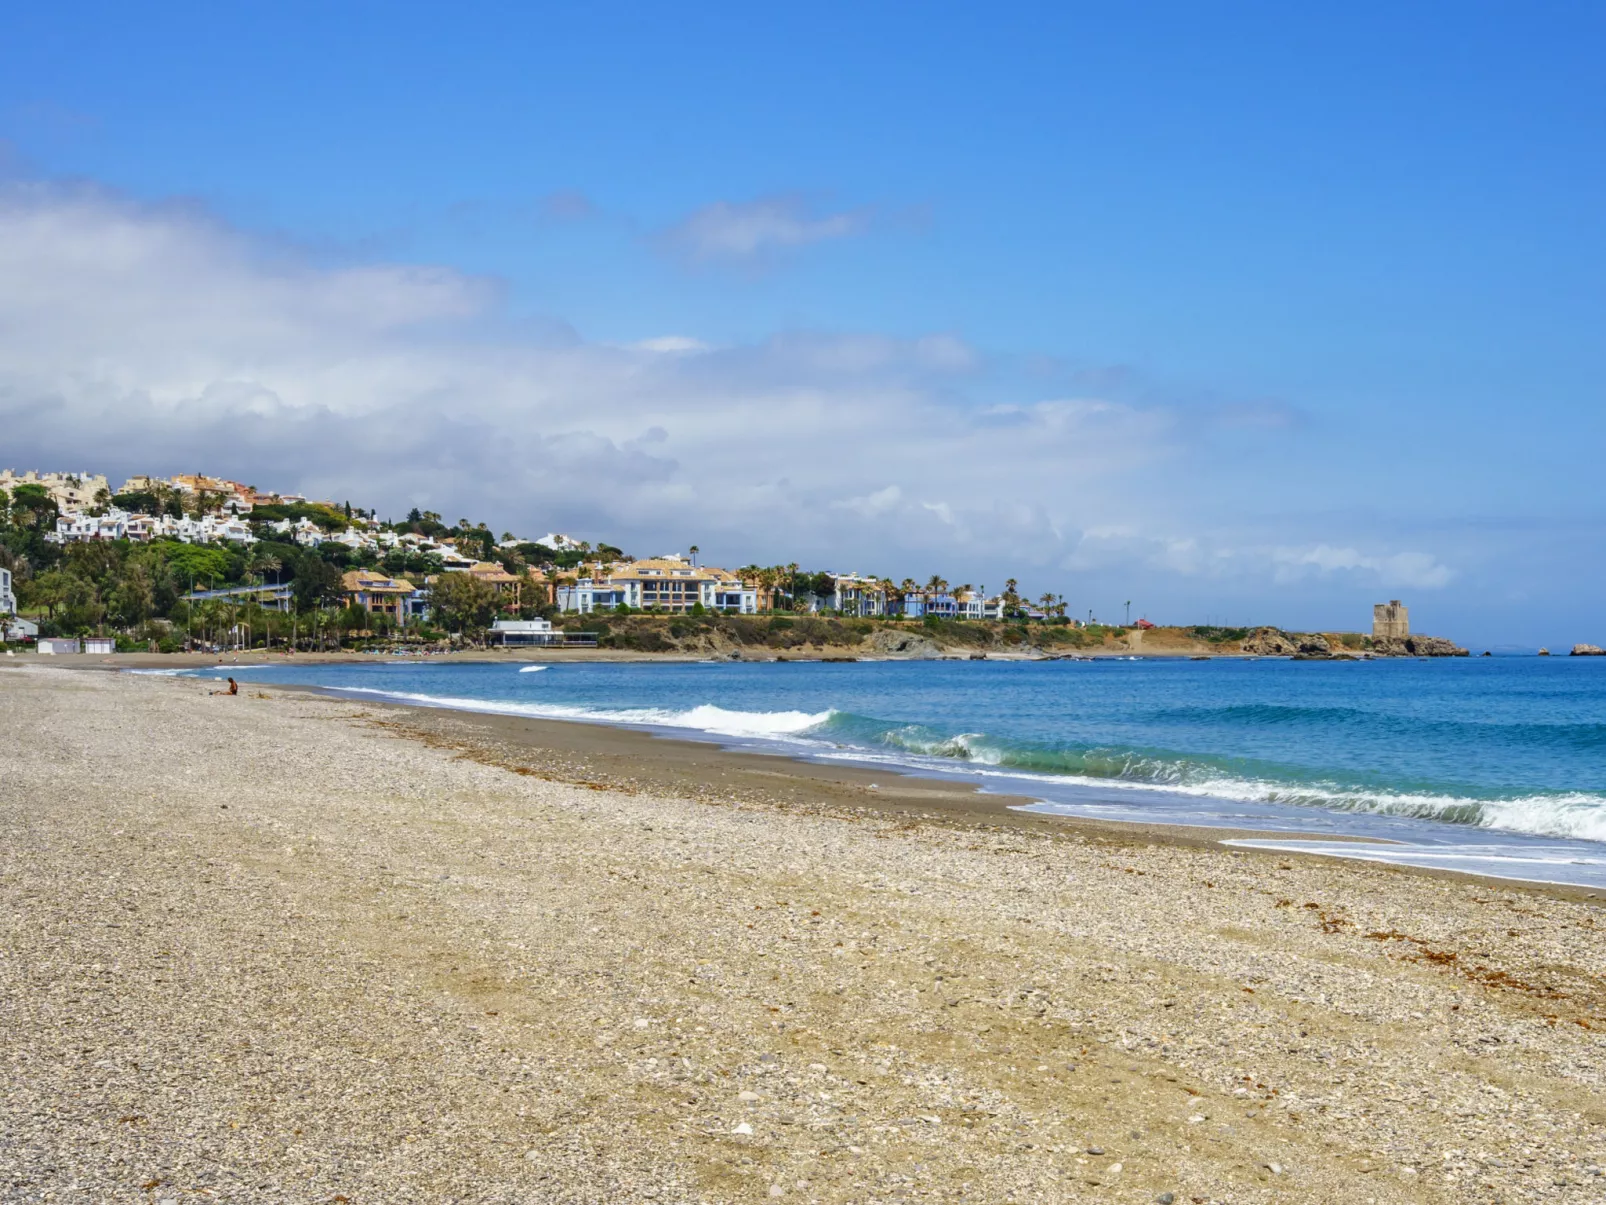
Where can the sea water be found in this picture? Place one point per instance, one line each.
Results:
(1491, 765)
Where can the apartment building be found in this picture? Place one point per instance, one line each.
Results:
(669, 583)
(69, 491)
(381, 595)
(74, 528)
(860, 596)
(8, 600)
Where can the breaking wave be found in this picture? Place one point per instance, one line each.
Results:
(716, 721)
(1577, 814)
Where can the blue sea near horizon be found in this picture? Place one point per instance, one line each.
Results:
(1494, 766)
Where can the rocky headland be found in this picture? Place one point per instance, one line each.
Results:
(1274, 642)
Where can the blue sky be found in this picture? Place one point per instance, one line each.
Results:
(1240, 312)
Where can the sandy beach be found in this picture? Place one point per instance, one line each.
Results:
(285, 947)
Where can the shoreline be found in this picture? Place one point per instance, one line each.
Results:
(385, 953)
(640, 758)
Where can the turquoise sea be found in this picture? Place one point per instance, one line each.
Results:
(1495, 765)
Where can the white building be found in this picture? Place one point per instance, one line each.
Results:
(557, 542)
(205, 530)
(8, 600)
(16, 629)
(76, 527)
(668, 583)
(302, 531)
(516, 632)
(855, 595)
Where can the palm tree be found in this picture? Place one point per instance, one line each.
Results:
(163, 493)
(694, 551)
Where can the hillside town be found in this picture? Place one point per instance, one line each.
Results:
(79, 555)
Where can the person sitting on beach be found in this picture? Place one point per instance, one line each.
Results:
(234, 689)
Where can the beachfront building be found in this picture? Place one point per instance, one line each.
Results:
(585, 595)
(674, 584)
(380, 595)
(13, 628)
(941, 604)
(911, 604)
(859, 596)
(8, 600)
(524, 633)
(537, 633)
(667, 583)
(69, 491)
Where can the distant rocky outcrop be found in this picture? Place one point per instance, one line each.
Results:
(904, 644)
(1414, 646)
(1268, 642)
(1588, 650)
(1274, 642)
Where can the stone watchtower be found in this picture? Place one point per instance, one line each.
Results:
(1390, 621)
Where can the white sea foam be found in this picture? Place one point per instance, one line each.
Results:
(1530, 863)
(1579, 814)
(1574, 814)
(717, 721)
(196, 671)
(533, 669)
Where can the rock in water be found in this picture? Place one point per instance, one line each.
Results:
(1587, 650)
(1414, 646)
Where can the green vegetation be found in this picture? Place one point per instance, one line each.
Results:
(326, 517)
(1218, 635)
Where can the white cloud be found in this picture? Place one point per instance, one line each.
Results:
(144, 338)
(673, 345)
(746, 230)
(1404, 569)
